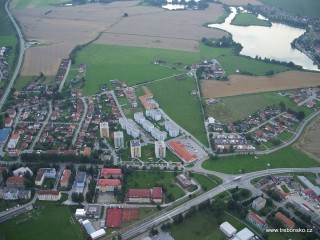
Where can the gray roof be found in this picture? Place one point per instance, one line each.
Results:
(81, 177)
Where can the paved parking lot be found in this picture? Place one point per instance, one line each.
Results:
(193, 148)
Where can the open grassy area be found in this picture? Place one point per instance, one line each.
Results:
(22, 4)
(285, 158)
(107, 62)
(308, 8)
(139, 179)
(205, 182)
(51, 221)
(174, 96)
(203, 225)
(249, 19)
(235, 108)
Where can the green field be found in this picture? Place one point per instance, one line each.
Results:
(285, 158)
(203, 226)
(308, 8)
(205, 182)
(7, 33)
(249, 19)
(107, 62)
(23, 4)
(238, 107)
(139, 179)
(51, 221)
(174, 96)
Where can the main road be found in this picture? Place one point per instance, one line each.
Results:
(163, 216)
(20, 58)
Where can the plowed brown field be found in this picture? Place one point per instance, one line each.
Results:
(239, 85)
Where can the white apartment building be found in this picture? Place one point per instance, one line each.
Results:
(104, 129)
(147, 125)
(118, 139)
(139, 118)
(158, 135)
(135, 148)
(172, 129)
(154, 114)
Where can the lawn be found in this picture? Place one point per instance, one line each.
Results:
(285, 158)
(308, 8)
(174, 97)
(205, 182)
(22, 4)
(107, 62)
(238, 107)
(51, 221)
(249, 19)
(139, 179)
(203, 225)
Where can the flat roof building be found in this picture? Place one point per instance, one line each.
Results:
(228, 229)
(118, 139)
(104, 129)
(135, 148)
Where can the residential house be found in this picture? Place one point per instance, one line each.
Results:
(110, 172)
(184, 180)
(15, 182)
(64, 181)
(257, 221)
(259, 203)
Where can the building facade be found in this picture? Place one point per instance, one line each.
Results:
(135, 148)
(104, 130)
(118, 139)
(160, 149)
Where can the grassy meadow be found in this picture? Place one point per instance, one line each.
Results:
(287, 157)
(249, 19)
(235, 108)
(23, 4)
(51, 221)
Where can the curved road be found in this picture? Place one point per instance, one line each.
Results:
(141, 226)
(20, 59)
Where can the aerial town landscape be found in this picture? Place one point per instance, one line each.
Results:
(163, 119)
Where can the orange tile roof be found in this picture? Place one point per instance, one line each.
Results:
(109, 182)
(66, 175)
(110, 171)
(87, 151)
(286, 221)
(183, 153)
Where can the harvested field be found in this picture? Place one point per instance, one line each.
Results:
(151, 30)
(66, 27)
(238, 84)
(240, 2)
(309, 141)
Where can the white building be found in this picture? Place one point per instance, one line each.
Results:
(172, 129)
(160, 149)
(147, 125)
(135, 148)
(154, 114)
(139, 118)
(49, 195)
(158, 135)
(118, 139)
(259, 203)
(104, 129)
(244, 234)
(91, 231)
(22, 171)
(129, 126)
(228, 229)
(13, 141)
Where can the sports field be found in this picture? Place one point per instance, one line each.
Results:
(308, 8)
(234, 108)
(287, 157)
(51, 221)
